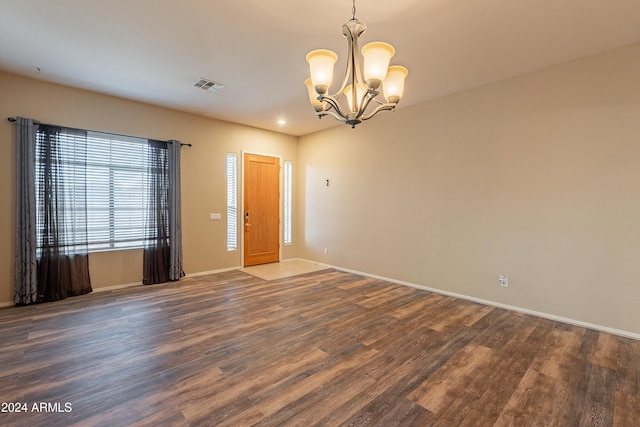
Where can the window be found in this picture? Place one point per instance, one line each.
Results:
(232, 202)
(287, 202)
(114, 170)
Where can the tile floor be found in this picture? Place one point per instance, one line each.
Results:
(282, 269)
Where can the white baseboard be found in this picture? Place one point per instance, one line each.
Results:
(321, 264)
(204, 273)
(131, 285)
(543, 315)
(115, 287)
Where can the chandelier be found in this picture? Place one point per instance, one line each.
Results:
(360, 86)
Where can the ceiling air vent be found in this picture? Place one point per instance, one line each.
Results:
(206, 84)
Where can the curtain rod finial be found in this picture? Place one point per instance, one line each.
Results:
(11, 119)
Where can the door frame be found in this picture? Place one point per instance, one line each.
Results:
(241, 211)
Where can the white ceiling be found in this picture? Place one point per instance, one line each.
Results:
(155, 50)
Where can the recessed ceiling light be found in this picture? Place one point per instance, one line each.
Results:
(282, 122)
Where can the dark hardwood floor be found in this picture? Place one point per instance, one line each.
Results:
(327, 348)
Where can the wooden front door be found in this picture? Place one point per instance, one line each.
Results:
(261, 216)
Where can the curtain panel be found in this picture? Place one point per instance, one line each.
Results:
(51, 249)
(162, 259)
(175, 212)
(156, 250)
(26, 264)
(61, 192)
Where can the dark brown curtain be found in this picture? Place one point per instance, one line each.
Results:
(176, 271)
(63, 259)
(26, 263)
(156, 251)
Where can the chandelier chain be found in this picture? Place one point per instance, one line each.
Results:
(353, 11)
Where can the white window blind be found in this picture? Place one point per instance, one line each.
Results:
(116, 174)
(57, 167)
(232, 201)
(287, 202)
(114, 168)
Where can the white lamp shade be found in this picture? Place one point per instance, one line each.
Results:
(393, 85)
(321, 68)
(348, 93)
(376, 61)
(313, 96)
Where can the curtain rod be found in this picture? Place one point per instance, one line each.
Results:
(13, 119)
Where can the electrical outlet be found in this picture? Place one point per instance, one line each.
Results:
(326, 251)
(504, 282)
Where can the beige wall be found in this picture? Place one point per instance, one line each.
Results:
(536, 177)
(203, 170)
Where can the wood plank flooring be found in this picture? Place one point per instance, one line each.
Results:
(327, 348)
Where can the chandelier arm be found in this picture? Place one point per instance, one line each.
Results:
(354, 84)
(366, 99)
(351, 31)
(333, 103)
(345, 79)
(379, 102)
(320, 114)
(357, 76)
(383, 107)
